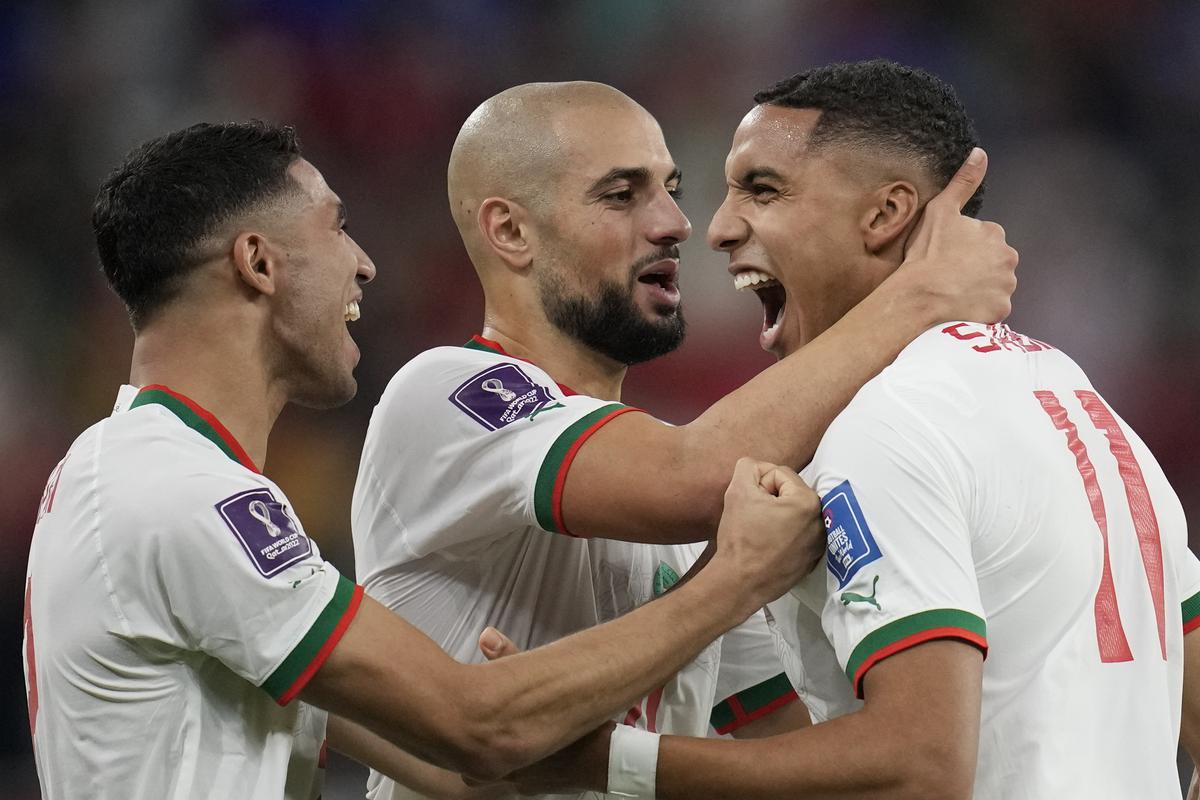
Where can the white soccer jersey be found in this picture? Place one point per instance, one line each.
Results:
(980, 489)
(457, 526)
(174, 607)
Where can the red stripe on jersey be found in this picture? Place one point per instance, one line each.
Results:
(242, 456)
(560, 480)
(304, 677)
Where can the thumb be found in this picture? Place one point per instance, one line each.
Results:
(966, 181)
(494, 644)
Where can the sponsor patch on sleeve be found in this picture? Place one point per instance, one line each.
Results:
(265, 530)
(500, 396)
(848, 539)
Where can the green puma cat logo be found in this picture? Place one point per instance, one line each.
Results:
(854, 597)
(549, 407)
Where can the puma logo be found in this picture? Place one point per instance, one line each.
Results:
(853, 597)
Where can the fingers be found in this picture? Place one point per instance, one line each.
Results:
(494, 644)
(965, 182)
(780, 481)
(745, 473)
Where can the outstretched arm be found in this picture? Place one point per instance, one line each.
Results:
(641, 480)
(488, 719)
(915, 737)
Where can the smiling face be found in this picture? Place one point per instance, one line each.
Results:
(791, 223)
(319, 292)
(606, 261)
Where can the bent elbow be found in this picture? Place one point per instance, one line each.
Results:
(939, 774)
(491, 754)
(488, 744)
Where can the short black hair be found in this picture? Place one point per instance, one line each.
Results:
(882, 104)
(171, 192)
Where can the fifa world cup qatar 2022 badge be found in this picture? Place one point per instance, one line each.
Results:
(265, 530)
(849, 543)
(500, 396)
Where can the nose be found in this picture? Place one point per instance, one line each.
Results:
(727, 231)
(365, 271)
(668, 224)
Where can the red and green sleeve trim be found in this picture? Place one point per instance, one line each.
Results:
(906, 632)
(197, 418)
(751, 704)
(1191, 613)
(307, 657)
(552, 476)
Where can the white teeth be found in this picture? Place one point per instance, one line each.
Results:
(751, 278)
(352, 311)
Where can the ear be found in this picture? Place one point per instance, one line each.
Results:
(256, 261)
(891, 210)
(504, 225)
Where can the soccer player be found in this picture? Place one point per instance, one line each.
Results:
(981, 499)
(504, 483)
(182, 633)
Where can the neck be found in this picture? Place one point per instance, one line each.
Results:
(224, 373)
(567, 360)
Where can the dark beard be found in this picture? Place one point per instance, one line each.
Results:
(612, 325)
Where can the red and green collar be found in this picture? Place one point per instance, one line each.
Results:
(197, 418)
(478, 342)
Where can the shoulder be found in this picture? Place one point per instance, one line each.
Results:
(155, 474)
(475, 390)
(442, 371)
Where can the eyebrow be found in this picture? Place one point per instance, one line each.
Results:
(633, 175)
(754, 174)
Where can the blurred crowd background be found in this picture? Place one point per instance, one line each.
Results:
(1089, 109)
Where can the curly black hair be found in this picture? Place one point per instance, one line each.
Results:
(171, 192)
(882, 104)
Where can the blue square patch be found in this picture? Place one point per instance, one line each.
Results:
(848, 539)
(266, 531)
(500, 396)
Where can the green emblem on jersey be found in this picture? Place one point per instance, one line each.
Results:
(854, 597)
(548, 407)
(664, 578)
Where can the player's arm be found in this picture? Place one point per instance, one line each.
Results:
(916, 736)
(638, 479)
(360, 744)
(486, 720)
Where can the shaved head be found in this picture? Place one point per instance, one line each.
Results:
(518, 142)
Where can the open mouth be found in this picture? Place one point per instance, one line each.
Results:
(663, 284)
(352, 311)
(772, 296)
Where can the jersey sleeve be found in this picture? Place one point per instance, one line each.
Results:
(750, 680)
(497, 432)
(1189, 583)
(226, 569)
(899, 567)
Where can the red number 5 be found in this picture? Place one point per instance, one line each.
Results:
(1110, 633)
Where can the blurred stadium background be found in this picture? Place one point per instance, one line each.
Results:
(1090, 111)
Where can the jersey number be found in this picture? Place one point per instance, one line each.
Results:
(1110, 632)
